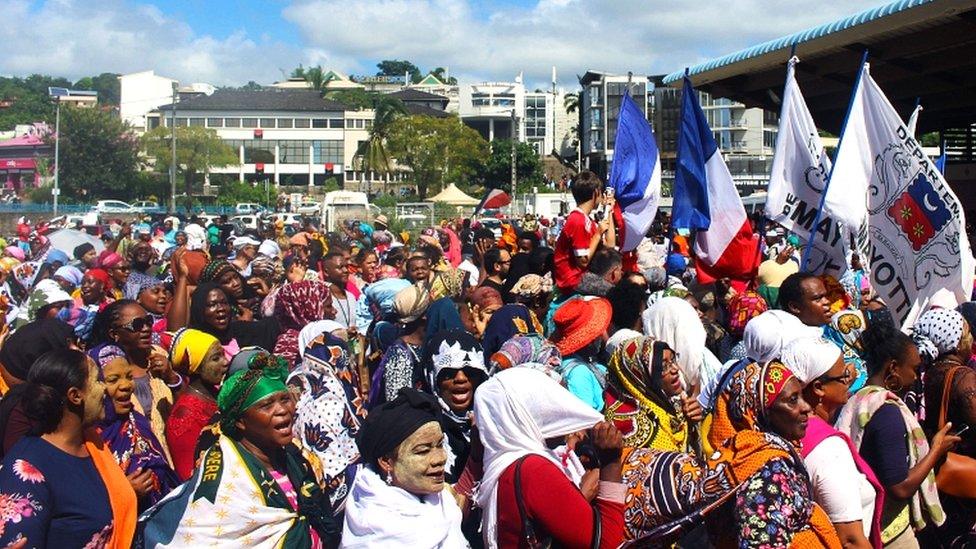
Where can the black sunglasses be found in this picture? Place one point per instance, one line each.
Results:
(138, 324)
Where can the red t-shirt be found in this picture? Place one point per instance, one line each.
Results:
(574, 240)
(189, 416)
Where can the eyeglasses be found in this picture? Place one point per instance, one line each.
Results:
(138, 324)
(846, 378)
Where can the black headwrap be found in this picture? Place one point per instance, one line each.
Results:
(31, 341)
(393, 422)
(82, 249)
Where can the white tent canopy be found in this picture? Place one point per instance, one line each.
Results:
(454, 196)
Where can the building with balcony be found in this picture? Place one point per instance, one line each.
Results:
(285, 136)
(599, 106)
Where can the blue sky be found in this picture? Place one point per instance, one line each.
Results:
(229, 42)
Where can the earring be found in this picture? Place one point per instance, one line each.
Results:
(389, 478)
(891, 386)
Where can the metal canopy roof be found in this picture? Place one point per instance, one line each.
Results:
(918, 49)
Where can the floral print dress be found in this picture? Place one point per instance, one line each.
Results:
(52, 498)
(773, 504)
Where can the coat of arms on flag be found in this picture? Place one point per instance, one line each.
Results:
(920, 212)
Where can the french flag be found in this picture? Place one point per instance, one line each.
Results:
(635, 175)
(705, 199)
(493, 199)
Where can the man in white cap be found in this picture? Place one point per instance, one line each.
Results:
(245, 249)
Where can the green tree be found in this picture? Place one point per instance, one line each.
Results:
(571, 102)
(198, 149)
(497, 169)
(315, 76)
(106, 84)
(439, 74)
(373, 151)
(356, 98)
(436, 150)
(99, 156)
(234, 192)
(396, 67)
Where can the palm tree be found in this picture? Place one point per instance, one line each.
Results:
(571, 102)
(373, 150)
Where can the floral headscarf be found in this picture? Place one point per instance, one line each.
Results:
(636, 366)
(508, 321)
(531, 351)
(753, 390)
(845, 330)
(265, 375)
(743, 307)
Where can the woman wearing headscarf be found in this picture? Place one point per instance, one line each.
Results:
(152, 294)
(401, 365)
(442, 315)
(519, 411)
(118, 268)
(61, 486)
(329, 411)
(457, 368)
(254, 486)
(399, 498)
(297, 305)
(643, 396)
(448, 283)
(483, 302)
(774, 504)
(200, 357)
(93, 292)
(675, 322)
(889, 438)
(743, 307)
(845, 329)
(223, 273)
(530, 351)
(580, 336)
(945, 343)
(506, 322)
(843, 483)
(128, 433)
(46, 300)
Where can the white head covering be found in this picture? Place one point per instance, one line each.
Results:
(313, 330)
(809, 358)
(766, 334)
(196, 237)
(516, 411)
(619, 337)
(270, 248)
(675, 322)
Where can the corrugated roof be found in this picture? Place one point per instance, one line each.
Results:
(269, 99)
(800, 37)
(411, 94)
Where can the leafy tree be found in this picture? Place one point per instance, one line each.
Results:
(930, 139)
(234, 192)
(197, 150)
(497, 169)
(356, 98)
(99, 156)
(373, 151)
(396, 67)
(436, 150)
(251, 86)
(106, 84)
(571, 102)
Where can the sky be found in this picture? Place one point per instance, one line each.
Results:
(226, 42)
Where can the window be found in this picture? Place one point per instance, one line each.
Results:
(232, 122)
(320, 123)
(301, 122)
(215, 122)
(153, 123)
(284, 122)
(258, 150)
(181, 122)
(327, 151)
(337, 123)
(196, 121)
(268, 123)
(293, 152)
(369, 124)
(249, 122)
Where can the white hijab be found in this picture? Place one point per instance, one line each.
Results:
(766, 334)
(675, 322)
(380, 515)
(810, 357)
(313, 330)
(516, 411)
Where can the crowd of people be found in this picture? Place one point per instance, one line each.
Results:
(191, 385)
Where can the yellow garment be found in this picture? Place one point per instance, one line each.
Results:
(189, 348)
(162, 403)
(773, 274)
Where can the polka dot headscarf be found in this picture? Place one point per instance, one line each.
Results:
(938, 332)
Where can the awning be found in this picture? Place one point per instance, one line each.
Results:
(17, 164)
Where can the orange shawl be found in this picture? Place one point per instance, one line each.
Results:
(122, 498)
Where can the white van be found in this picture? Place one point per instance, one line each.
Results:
(338, 206)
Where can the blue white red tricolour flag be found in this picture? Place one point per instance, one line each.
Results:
(705, 199)
(635, 175)
(493, 199)
(916, 237)
(797, 183)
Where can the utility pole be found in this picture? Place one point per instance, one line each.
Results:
(57, 141)
(514, 154)
(172, 164)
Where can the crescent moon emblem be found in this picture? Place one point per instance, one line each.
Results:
(928, 205)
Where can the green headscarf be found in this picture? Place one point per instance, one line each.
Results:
(265, 375)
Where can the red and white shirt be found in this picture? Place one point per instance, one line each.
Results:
(574, 240)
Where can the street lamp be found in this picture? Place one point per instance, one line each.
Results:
(57, 94)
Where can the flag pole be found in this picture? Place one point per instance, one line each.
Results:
(671, 230)
(840, 140)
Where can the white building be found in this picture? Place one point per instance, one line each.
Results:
(287, 136)
(140, 93)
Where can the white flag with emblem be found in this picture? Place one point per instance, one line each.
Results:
(917, 241)
(796, 184)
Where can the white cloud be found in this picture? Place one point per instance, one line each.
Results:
(656, 36)
(75, 38)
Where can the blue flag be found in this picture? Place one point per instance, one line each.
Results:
(940, 162)
(636, 173)
(696, 145)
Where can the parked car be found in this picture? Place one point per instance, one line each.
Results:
(206, 219)
(288, 218)
(309, 207)
(147, 206)
(245, 208)
(247, 221)
(113, 206)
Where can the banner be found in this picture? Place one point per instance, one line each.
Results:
(796, 185)
(916, 237)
